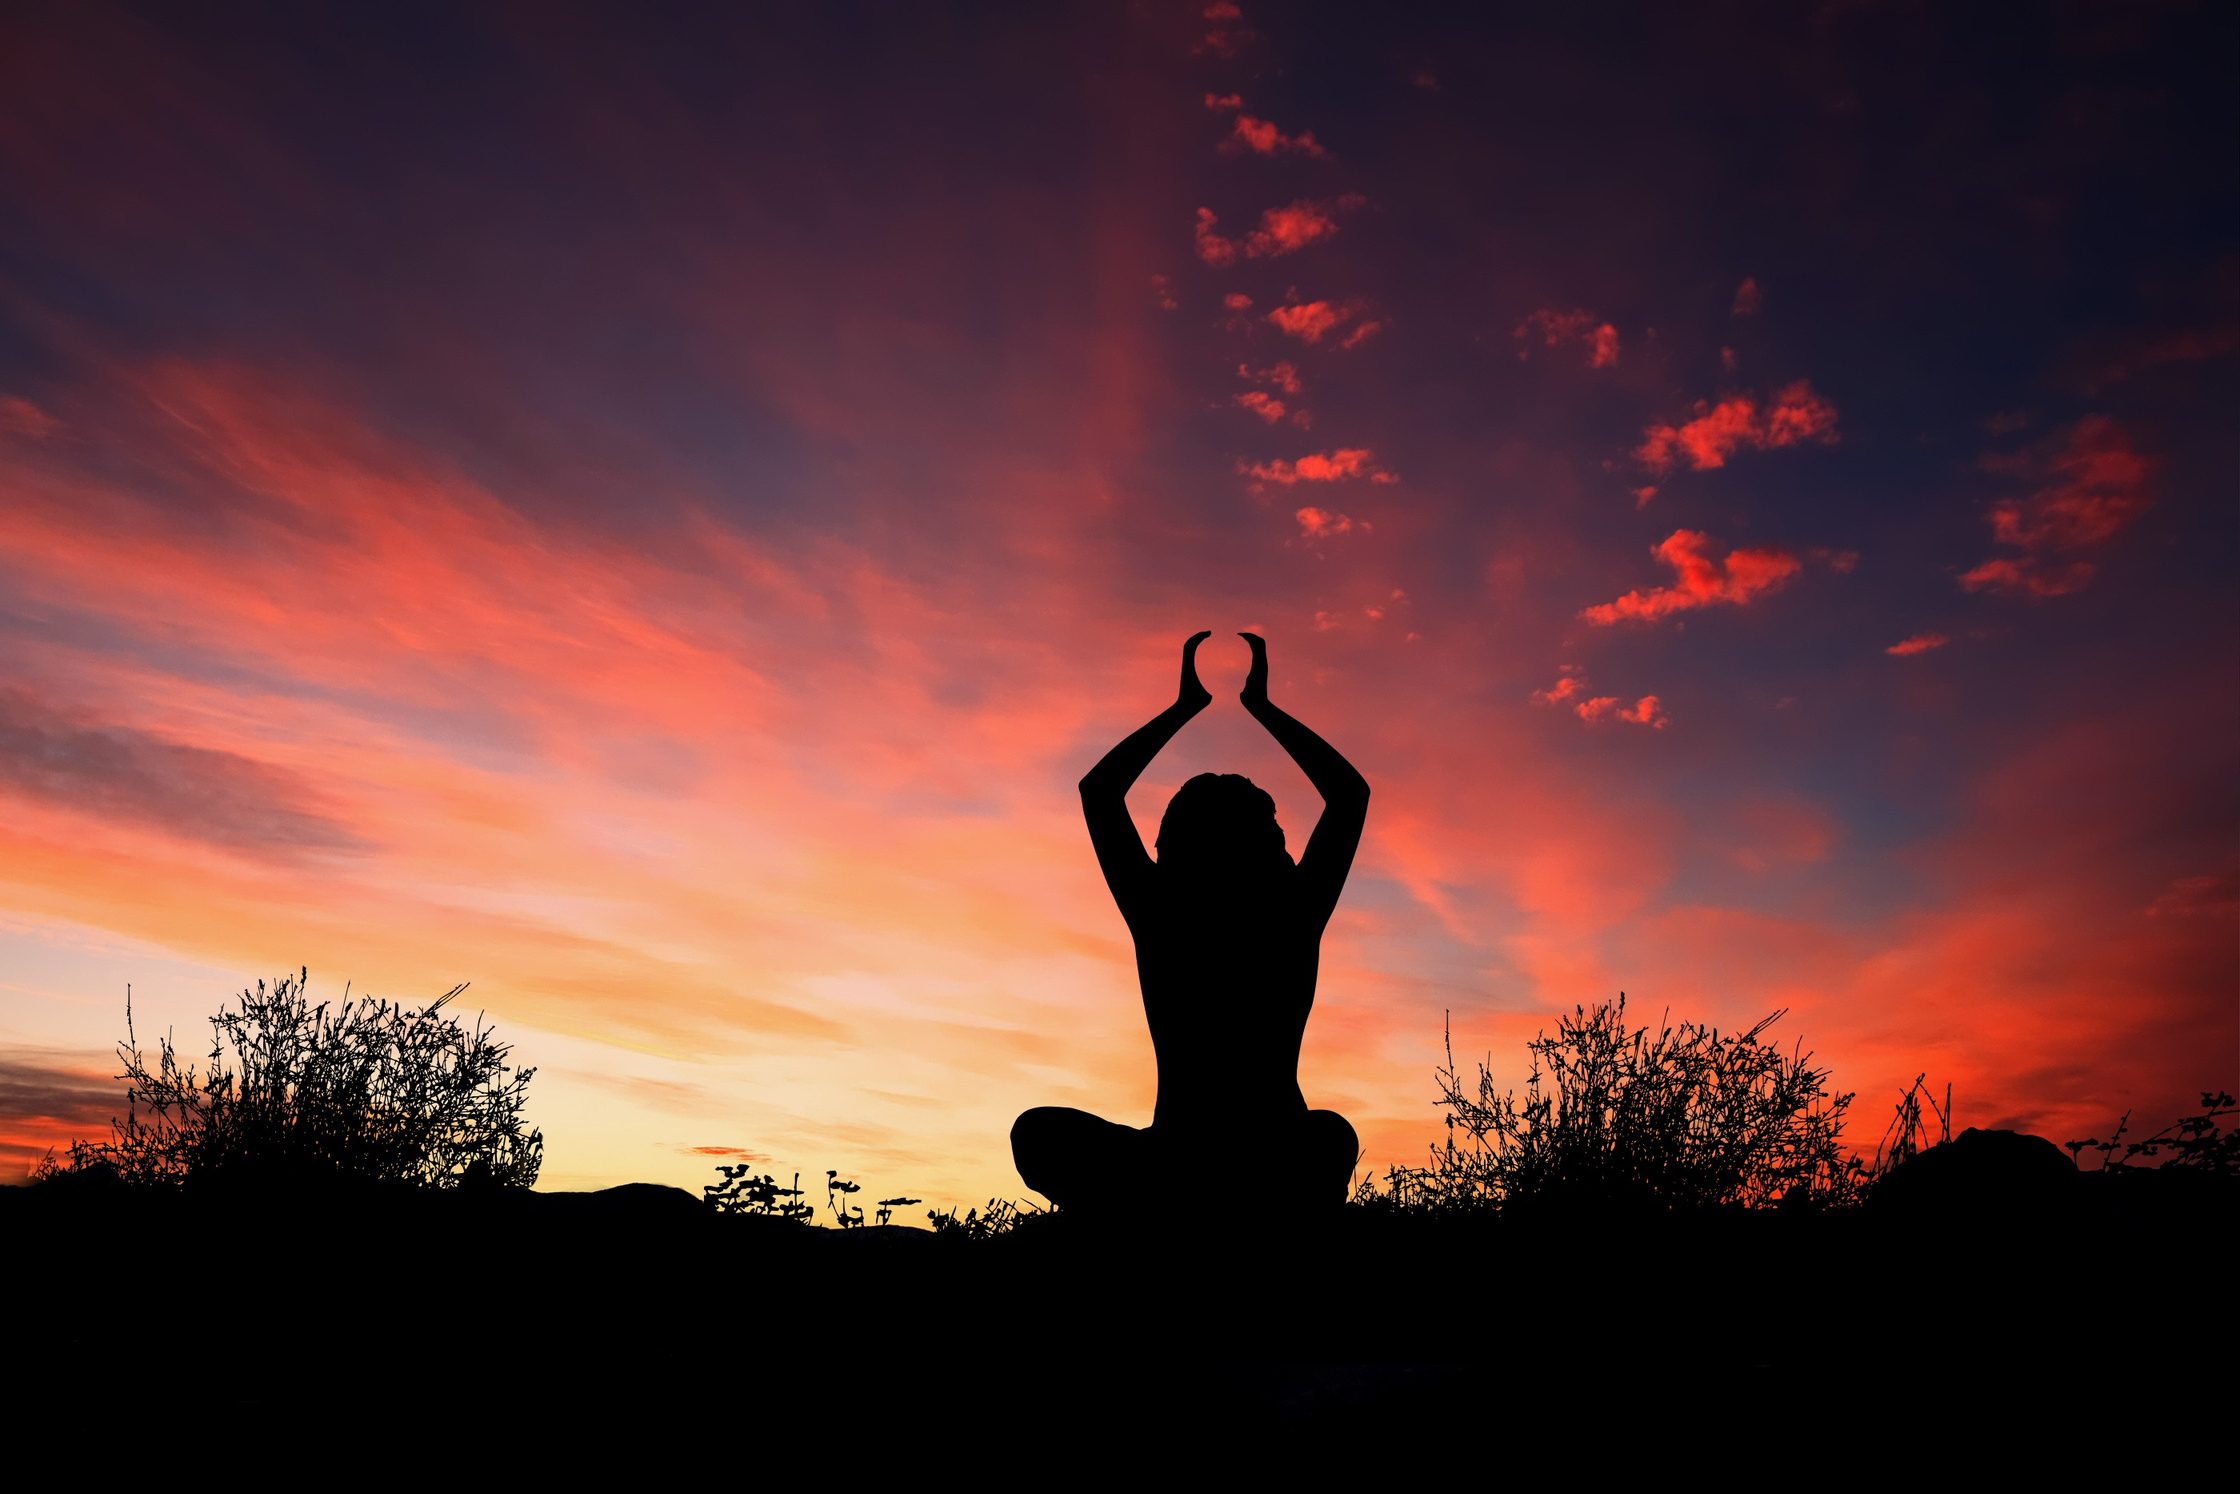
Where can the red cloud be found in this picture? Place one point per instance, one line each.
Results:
(1258, 135)
(1225, 36)
(1308, 322)
(1263, 138)
(1703, 582)
(1266, 406)
(1212, 247)
(1796, 415)
(1555, 328)
(2095, 484)
(1919, 643)
(1283, 230)
(1321, 523)
(1353, 461)
(1746, 298)
(1361, 334)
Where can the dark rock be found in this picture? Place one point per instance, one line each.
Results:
(1979, 1172)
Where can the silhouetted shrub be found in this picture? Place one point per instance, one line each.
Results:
(364, 1090)
(2195, 1143)
(1689, 1118)
(741, 1192)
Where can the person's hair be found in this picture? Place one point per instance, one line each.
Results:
(1221, 820)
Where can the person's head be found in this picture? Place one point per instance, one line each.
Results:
(1221, 824)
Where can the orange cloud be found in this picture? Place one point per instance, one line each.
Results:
(1643, 712)
(1283, 230)
(1335, 466)
(1264, 405)
(1556, 328)
(1703, 582)
(1573, 686)
(1919, 643)
(1796, 415)
(2094, 484)
(1321, 523)
(1562, 690)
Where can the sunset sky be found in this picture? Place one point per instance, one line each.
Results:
(654, 521)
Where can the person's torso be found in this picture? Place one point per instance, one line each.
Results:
(1227, 987)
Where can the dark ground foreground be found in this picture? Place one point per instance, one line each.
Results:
(637, 1311)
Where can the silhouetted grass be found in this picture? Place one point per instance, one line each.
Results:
(363, 1090)
(1685, 1118)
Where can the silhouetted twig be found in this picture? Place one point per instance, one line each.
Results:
(2196, 1143)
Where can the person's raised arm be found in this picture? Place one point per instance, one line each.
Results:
(1104, 789)
(1345, 793)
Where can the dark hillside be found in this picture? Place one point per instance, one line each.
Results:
(642, 1293)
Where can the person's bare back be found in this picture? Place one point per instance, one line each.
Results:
(1228, 934)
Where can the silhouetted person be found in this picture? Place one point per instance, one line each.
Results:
(1228, 941)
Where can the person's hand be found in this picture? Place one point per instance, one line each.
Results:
(1256, 683)
(1193, 696)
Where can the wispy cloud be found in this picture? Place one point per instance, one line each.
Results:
(1554, 329)
(1226, 34)
(1284, 376)
(2094, 484)
(1795, 415)
(1745, 574)
(109, 771)
(1919, 643)
(20, 417)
